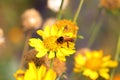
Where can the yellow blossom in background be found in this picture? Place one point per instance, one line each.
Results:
(13, 35)
(50, 44)
(68, 25)
(35, 73)
(116, 77)
(110, 4)
(93, 64)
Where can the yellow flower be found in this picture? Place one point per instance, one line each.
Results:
(116, 77)
(50, 44)
(93, 64)
(33, 73)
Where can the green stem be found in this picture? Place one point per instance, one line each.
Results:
(95, 28)
(118, 49)
(51, 63)
(60, 11)
(94, 33)
(26, 46)
(116, 56)
(78, 11)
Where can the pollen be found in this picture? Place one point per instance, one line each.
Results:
(50, 43)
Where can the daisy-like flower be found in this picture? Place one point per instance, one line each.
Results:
(35, 73)
(53, 43)
(68, 25)
(93, 64)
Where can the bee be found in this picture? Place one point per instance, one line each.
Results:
(65, 39)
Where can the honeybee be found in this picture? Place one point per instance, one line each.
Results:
(65, 39)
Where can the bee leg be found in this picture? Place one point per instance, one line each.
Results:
(68, 44)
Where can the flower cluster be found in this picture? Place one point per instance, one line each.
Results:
(58, 41)
(47, 58)
(110, 4)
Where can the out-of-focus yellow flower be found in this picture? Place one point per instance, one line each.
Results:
(51, 45)
(116, 77)
(13, 35)
(35, 73)
(54, 5)
(68, 25)
(31, 19)
(93, 64)
(110, 4)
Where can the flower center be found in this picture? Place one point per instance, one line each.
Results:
(50, 43)
(93, 63)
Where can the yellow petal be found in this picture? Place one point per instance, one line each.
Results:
(51, 54)
(41, 72)
(97, 54)
(88, 55)
(104, 75)
(106, 58)
(33, 42)
(86, 72)
(104, 70)
(112, 63)
(47, 31)
(62, 58)
(41, 33)
(60, 32)
(70, 34)
(80, 60)
(41, 53)
(54, 30)
(31, 73)
(67, 51)
(50, 75)
(92, 74)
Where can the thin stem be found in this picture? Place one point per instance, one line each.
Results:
(116, 56)
(78, 11)
(118, 49)
(26, 46)
(51, 63)
(60, 10)
(95, 28)
(94, 33)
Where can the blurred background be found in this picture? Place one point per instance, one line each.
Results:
(91, 17)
